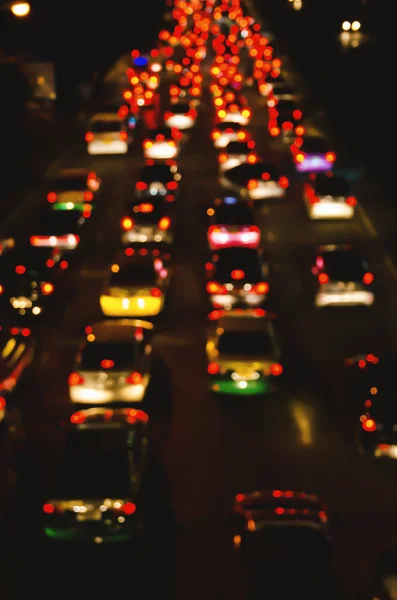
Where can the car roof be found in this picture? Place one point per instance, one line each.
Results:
(315, 143)
(249, 324)
(73, 172)
(106, 116)
(118, 329)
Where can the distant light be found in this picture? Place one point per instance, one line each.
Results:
(230, 200)
(297, 5)
(356, 25)
(20, 9)
(346, 25)
(140, 61)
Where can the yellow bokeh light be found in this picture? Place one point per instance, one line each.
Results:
(115, 268)
(356, 25)
(346, 25)
(20, 9)
(90, 337)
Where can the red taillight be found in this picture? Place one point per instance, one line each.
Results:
(164, 223)
(75, 379)
(299, 130)
(141, 185)
(1, 289)
(237, 274)
(351, 201)
(222, 158)
(89, 136)
(155, 292)
(252, 184)
(323, 278)
(216, 135)
(276, 369)
(127, 223)
(50, 263)
(330, 157)
(77, 418)
(107, 364)
(129, 508)
(123, 135)
(214, 288)
(368, 278)
(287, 126)
(135, 379)
(20, 269)
(2, 403)
(88, 196)
(261, 288)
(369, 425)
(51, 197)
(213, 368)
(283, 182)
(64, 264)
(47, 288)
(48, 509)
(297, 114)
(167, 115)
(172, 185)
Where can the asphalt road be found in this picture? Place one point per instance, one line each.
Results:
(204, 450)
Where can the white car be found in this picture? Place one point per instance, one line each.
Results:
(237, 153)
(235, 113)
(107, 134)
(113, 363)
(181, 116)
(259, 181)
(74, 186)
(226, 132)
(162, 143)
(328, 196)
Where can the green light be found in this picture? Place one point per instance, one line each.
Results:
(72, 206)
(228, 386)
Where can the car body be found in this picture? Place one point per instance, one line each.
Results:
(158, 180)
(268, 85)
(112, 363)
(285, 118)
(107, 134)
(286, 92)
(237, 153)
(180, 115)
(343, 277)
(259, 181)
(232, 224)
(147, 222)
(288, 532)
(237, 277)
(17, 349)
(135, 288)
(243, 353)
(235, 112)
(228, 131)
(95, 492)
(162, 143)
(74, 188)
(59, 229)
(29, 276)
(313, 155)
(328, 196)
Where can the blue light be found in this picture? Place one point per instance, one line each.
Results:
(140, 61)
(230, 200)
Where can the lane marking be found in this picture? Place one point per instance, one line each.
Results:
(367, 222)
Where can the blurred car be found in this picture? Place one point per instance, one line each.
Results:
(97, 483)
(243, 353)
(343, 277)
(285, 118)
(266, 87)
(74, 188)
(108, 134)
(161, 144)
(158, 179)
(328, 196)
(135, 288)
(237, 276)
(147, 222)
(288, 532)
(228, 131)
(28, 278)
(285, 92)
(232, 224)
(59, 230)
(313, 155)
(237, 153)
(235, 112)
(17, 349)
(113, 363)
(181, 116)
(259, 181)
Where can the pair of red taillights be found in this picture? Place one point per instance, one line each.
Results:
(133, 379)
(216, 288)
(275, 369)
(324, 278)
(89, 136)
(127, 223)
(142, 185)
(128, 508)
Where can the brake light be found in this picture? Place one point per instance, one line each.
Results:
(323, 278)
(283, 182)
(2, 403)
(123, 135)
(88, 196)
(214, 288)
(148, 144)
(222, 158)
(75, 379)
(261, 288)
(287, 126)
(216, 135)
(351, 201)
(213, 368)
(129, 508)
(369, 425)
(146, 207)
(299, 130)
(127, 223)
(141, 185)
(330, 157)
(274, 131)
(241, 135)
(167, 115)
(89, 136)
(20, 269)
(276, 369)
(237, 274)
(171, 185)
(47, 288)
(77, 418)
(48, 509)
(221, 113)
(164, 223)
(300, 157)
(297, 114)
(155, 292)
(368, 278)
(135, 379)
(1, 289)
(252, 184)
(51, 197)
(107, 364)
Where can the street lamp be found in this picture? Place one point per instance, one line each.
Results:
(20, 9)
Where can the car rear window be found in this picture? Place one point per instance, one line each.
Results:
(331, 186)
(237, 148)
(160, 173)
(120, 356)
(317, 145)
(106, 126)
(234, 214)
(71, 183)
(243, 259)
(344, 265)
(133, 274)
(61, 222)
(244, 343)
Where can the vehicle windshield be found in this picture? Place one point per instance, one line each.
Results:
(134, 274)
(228, 125)
(344, 265)
(94, 464)
(243, 173)
(61, 222)
(106, 126)
(165, 131)
(315, 145)
(65, 184)
(243, 259)
(237, 148)
(234, 214)
(120, 354)
(247, 344)
(160, 173)
(331, 186)
(179, 109)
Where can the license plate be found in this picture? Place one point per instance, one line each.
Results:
(72, 197)
(107, 139)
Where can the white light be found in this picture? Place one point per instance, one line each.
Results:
(356, 25)
(346, 25)
(103, 508)
(69, 205)
(121, 519)
(117, 504)
(297, 5)
(98, 540)
(157, 238)
(141, 303)
(244, 33)
(229, 287)
(242, 384)
(36, 310)
(20, 9)
(125, 303)
(52, 240)
(72, 240)
(140, 102)
(247, 287)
